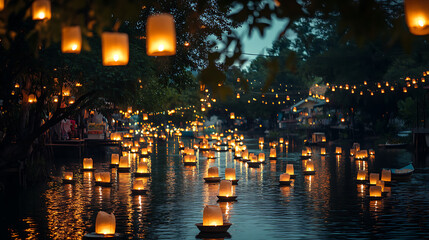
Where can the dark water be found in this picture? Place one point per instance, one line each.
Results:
(328, 205)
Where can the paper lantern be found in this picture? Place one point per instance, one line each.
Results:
(284, 177)
(72, 100)
(225, 188)
(261, 141)
(352, 152)
(213, 172)
(322, 151)
(190, 159)
(309, 167)
(261, 157)
(362, 154)
(41, 9)
(230, 174)
(68, 176)
(237, 154)
(134, 149)
(290, 169)
(212, 216)
(144, 151)
(361, 175)
(55, 99)
(71, 39)
(373, 178)
(138, 185)
(281, 141)
(145, 117)
(417, 16)
(114, 160)
(142, 167)
(371, 152)
(160, 35)
(232, 115)
(105, 223)
(245, 155)
(115, 48)
(338, 150)
(32, 98)
(211, 155)
(123, 162)
(87, 163)
(386, 175)
(103, 177)
(375, 191)
(273, 153)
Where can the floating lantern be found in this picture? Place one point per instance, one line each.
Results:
(386, 175)
(138, 187)
(245, 155)
(1, 5)
(232, 115)
(161, 35)
(254, 163)
(309, 168)
(281, 141)
(41, 10)
(261, 141)
(361, 175)
(371, 152)
(373, 178)
(211, 155)
(142, 170)
(71, 40)
(134, 149)
(145, 117)
(116, 136)
(338, 150)
(212, 175)
(144, 152)
(72, 100)
(322, 151)
(124, 164)
(375, 192)
(181, 145)
(32, 98)
(115, 48)
(190, 160)
(114, 160)
(105, 223)
(285, 179)
(230, 175)
(261, 157)
(237, 154)
(102, 179)
(68, 177)
(88, 164)
(362, 154)
(290, 170)
(306, 153)
(352, 152)
(226, 191)
(213, 220)
(417, 16)
(380, 184)
(273, 154)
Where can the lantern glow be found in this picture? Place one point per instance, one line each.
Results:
(225, 188)
(417, 16)
(373, 178)
(361, 175)
(386, 175)
(230, 174)
(114, 160)
(375, 191)
(41, 9)
(68, 176)
(115, 48)
(161, 35)
(213, 172)
(87, 164)
(212, 216)
(71, 40)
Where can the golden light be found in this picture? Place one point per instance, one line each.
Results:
(225, 188)
(32, 98)
(115, 48)
(290, 169)
(273, 153)
(322, 151)
(68, 176)
(87, 163)
(72, 100)
(16, 85)
(138, 185)
(338, 150)
(371, 152)
(145, 117)
(238, 95)
(71, 39)
(41, 9)
(373, 178)
(114, 159)
(361, 175)
(386, 175)
(190, 159)
(142, 167)
(123, 162)
(102, 177)
(404, 89)
(362, 154)
(281, 141)
(232, 115)
(186, 44)
(261, 157)
(261, 141)
(309, 166)
(284, 177)
(161, 35)
(212, 216)
(380, 184)
(375, 191)
(417, 16)
(55, 99)
(213, 172)
(116, 136)
(105, 223)
(230, 174)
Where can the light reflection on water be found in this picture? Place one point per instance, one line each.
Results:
(329, 204)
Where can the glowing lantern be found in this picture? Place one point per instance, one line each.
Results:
(261, 157)
(72, 100)
(55, 99)
(71, 40)
(116, 136)
(371, 152)
(211, 155)
(322, 151)
(32, 98)
(134, 149)
(404, 89)
(102, 178)
(290, 170)
(309, 168)
(190, 159)
(115, 48)
(124, 163)
(1, 5)
(87, 164)
(281, 141)
(225, 189)
(362, 154)
(142, 167)
(386, 175)
(145, 117)
(68, 177)
(380, 184)
(361, 175)
(213, 172)
(261, 141)
(212, 216)
(41, 9)
(161, 35)
(338, 150)
(138, 185)
(245, 155)
(105, 223)
(232, 115)
(273, 153)
(230, 174)
(114, 160)
(284, 177)
(417, 16)
(375, 191)
(373, 178)
(237, 154)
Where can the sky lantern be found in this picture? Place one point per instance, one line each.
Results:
(32, 98)
(105, 223)
(41, 9)
(71, 39)
(417, 16)
(232, 115)
(115, 48)
(160, 35)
